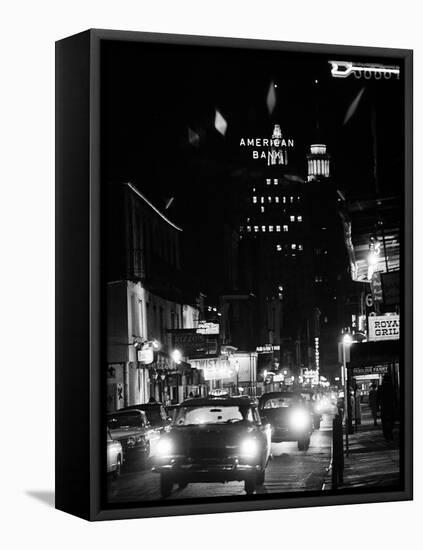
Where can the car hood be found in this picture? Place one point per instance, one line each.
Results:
(211, 439)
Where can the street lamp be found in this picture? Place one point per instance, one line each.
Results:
(346, 342)
(176, 356)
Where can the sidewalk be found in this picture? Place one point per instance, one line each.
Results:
(372, 461)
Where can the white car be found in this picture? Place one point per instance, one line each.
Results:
(114, 456)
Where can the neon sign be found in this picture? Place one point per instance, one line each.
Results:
(343, 69)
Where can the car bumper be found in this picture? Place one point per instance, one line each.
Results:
(208, 470)
(286, 434)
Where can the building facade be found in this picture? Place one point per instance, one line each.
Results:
(146, 299)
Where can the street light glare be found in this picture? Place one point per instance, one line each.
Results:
(176, 356)
(347, 339)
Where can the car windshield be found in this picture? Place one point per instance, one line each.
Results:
(124, 420)
(212, 414)
(280, 402)
(155, 415)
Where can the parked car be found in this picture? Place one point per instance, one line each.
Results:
(156, 414)
(214, 440)
(289, 417)
(114, 456)
(132, 429)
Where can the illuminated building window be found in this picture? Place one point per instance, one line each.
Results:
(293, 246)
(263, 228)
(268, 181)
(298, 199)
(285, 228)
(275, 181)
(248, 228)
(277, 199)
(292, 218)
(278, 247)
(300, 247)
(280, 288)
(284, 200)
(278, 228)
(291, 199)
(269, 199)
(254, 199)
(262, 200)
(271, 228)
(318, 279)
(262, 209)
(241, 229)
(299, 218)
(256, 228)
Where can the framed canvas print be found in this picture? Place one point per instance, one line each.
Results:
(234, 274)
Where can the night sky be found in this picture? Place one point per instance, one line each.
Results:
(151, 96)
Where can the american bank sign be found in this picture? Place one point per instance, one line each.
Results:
(384, 327)
(273, 149)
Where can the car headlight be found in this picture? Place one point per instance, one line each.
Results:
(249, 447)
(300, 419)
(164, 447)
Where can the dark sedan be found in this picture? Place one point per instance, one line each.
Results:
(214, 439)
(289, 417)
(155, 411)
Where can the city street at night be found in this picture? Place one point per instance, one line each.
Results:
(289, 470)
(252, 259)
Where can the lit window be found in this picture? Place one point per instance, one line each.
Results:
(270, 228)
(299, 218)
(254, 199)
(293, 246)
(292, 218)
(284, 199)
(278, 228)
(268, 181)
(262, 200)
(280, 287)
(278, 247)
(262, 209)
(269, 199)
(277, 199)
(256, 228)
(248, 228)
(241, 228)
(275, 181)
(285, 228)
(300, 247)
(291, 199)
(263, 228)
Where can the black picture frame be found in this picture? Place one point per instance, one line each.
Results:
(80, 299)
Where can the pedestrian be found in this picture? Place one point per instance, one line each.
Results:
(357, 402)
(386, 398)
(373, 402)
